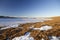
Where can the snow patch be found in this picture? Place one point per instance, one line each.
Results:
(10, 26)
(43, 28)
(46, 27)
(54, 38)
(24, 37)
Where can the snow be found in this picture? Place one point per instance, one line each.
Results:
(10, 26)
(46, 27)
(31, 27)
(31, 38)
(54, 38)
(43, 28)
(24, 37)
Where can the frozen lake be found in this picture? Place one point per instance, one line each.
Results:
(9, 21)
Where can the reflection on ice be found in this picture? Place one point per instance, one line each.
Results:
(24, 37)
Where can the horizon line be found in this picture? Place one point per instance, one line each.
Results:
(29, 16)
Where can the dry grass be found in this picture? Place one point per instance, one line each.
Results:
(15, 32)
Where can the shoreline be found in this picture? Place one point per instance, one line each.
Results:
(18, 31)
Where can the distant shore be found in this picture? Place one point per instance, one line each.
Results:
(7, 17)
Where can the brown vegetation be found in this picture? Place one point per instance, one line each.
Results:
(37, 34)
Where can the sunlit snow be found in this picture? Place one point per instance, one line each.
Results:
(46, 27)
(53, 38)
(42, 28)
(24, 37)
(10, 26)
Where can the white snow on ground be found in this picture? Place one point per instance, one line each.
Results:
(24, 37)
(46, 27)
(54, 38)
(31, 27)
(10, 26)
(42, 28)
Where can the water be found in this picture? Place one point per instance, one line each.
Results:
(9, 21)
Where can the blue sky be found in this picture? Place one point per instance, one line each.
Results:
(30, 8)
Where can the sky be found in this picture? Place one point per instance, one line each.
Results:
(30, 8)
